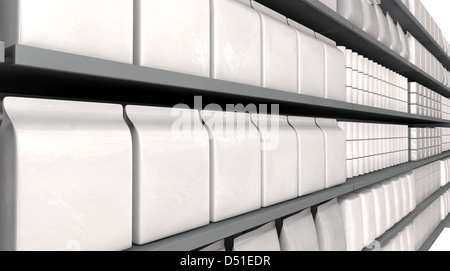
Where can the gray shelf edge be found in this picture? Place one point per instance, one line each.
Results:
(44, 59)
(216, 231)
(384, 239)
(414, 26)
(435, 235)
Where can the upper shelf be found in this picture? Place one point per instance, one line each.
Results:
(35, 72)
(320, 18)
(410, 23)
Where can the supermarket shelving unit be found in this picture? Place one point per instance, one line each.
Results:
(33, 72)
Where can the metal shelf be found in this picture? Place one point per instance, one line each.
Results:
(392, 232)
(35, 72)
(435, 235)
(410, 23)
(317, 16)
(216, 231)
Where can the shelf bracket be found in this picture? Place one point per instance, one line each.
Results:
(374, 246)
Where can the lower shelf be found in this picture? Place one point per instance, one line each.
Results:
(216, 231)
(434, 236)
(384, 239)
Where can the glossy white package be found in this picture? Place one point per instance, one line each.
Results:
(335, 152)
(171, 171)
(334, 70)
(414, 49)
(398, 199)
(99, 28)
(330, 227)
(278, 158)
(235, 179)
(380, 209)
(67, 181)
(264, 238)
(351, 10)
(173, 35)
(403, 42)
(311, 155)
(390, 203)
(396, 45)
(236, 42)
(383, 27)
(352, 216)
(311, 62)
(279, 51)
(299, 233)
(217, 246)
(370, 24)
(369, 215)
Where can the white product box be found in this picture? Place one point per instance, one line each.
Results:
(235, 179)
(406, 195)
(236, 40)
(311, 155)
(380, 209)
(311, 61)
(351, 10)
(390, 203)
(414, 50)
(383, 26)
(67, 181)
(299, 233)
(396, 45)
(335, 73)
(370, 24)
(279, 51)
(171, 172)
(330, 227)
(99, 28)
(335, 148)
(398, 199)
(352, 216)
(173, 35)
(264, 238)
(369, 216)
(279, 158)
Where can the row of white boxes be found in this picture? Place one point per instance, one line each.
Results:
(370, 18)
(369, 83)
(425, 102)
(199, 37)
(369, 213)
(445, 172)
(300, 232)
(425, 223)
(427, 62)
(74, 170)
(424, 143)
(423, 16)
(428, 180)
(372, 146)
(353, 221)
(445, 108)
(445, 132)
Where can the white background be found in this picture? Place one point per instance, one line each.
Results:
(440, 11)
